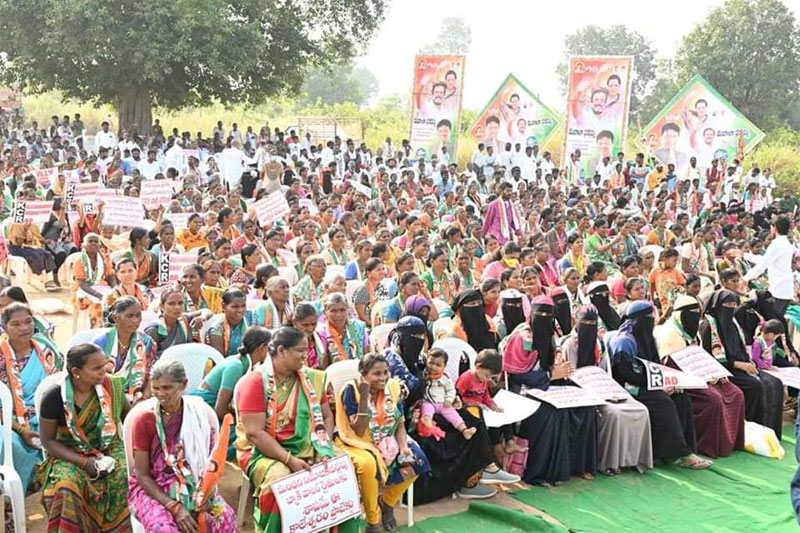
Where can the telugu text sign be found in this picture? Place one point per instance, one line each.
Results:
(124, 211)
(436, 105)
(598, 97)
(789, 376)
(566, 397)
(599, 382)
(37, 212)
(696, 361)
(271, 208)
(179, 220)
(170, 266)
(156, 193)
(660, 377)
(316, 500)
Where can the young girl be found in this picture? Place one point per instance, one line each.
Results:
(473, 387)
(765, 344)
(440, 393)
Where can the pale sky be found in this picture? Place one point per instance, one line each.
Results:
(517, 36)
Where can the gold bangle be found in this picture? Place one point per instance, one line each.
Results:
(288, 458)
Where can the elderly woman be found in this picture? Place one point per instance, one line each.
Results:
(198, 295)
(309, 288)
(26, 241)
(81, 418)
(125, 270)
(144, 261)
(264, 273)
(92, 270)
(300, 431)
(370, 421)
(364, 297)
(342, 337)
(27, 360)
(277, 309)
(173, 437)
(130, 352)
(174, 326)
(226, 330)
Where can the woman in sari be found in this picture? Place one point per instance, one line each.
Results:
(309, 288)
(436, 279)
(264, 273)
(719, 409)
(548, 276)
(407, 286)
(226, 224)
(173, 326)
(91, 270)
(27, 360)
(336, 254)
(191, 237)
(574, 257)
(341, 337)
(166, 241)
(217, 386)
(226, 330)
(561, 442)
(623, 428)
(144, 261)
(249, 236)
(80, 429)
(306, 319)
(198, 295)
(42, 328)
(130, 352)
(283, 422)
(272, 245)
(125, 270)
(277, 309)
(173, 438)
(364, 297)
(371, 425)
(246, 274)
(25, 240)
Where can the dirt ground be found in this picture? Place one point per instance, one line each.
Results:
(232, 479)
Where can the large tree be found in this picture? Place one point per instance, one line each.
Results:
(340, 84)
(749, 50)
(616, 40)
(455, 37)
(137, 53)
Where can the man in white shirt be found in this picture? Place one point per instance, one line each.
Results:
(777, 261)
(148, 169)
(105, 138)
(232, 163)
(173, 158)
(527, 165)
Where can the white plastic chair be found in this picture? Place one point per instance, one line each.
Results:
(194, 357)
(253, 304)
(11, 482)
(352, 285)
(379, 335)
(85, 336)
(148, 317)
(454, 349)
(245, 492)
(204, 330)
(339, 374)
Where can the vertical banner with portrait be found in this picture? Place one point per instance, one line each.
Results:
(598, 98)
(513, 115)
(698, 122)
(436, 106)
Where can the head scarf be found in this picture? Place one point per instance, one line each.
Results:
(687, 312)
(511, 305)
(621, 346)
(639, 323)
(562, 309)
(598, 294)
(586, 330)
(410, 341)
(727, 330)
(542, 323)
(473, 319)
(415, 304)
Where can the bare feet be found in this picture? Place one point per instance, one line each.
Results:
(468, 432)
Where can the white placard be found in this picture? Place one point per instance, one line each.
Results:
(71, 176)
(125, 211)
(515, 409)
(660, 377)
(45, 176)
(598, 381)
(566, 397)
(82, 193)
(696, 361)
(308, 203)
(789, 376)
(170, 266)
(271, 208)
(316, 500)
(36, 211)
(179, 220)
(363, 189)
(156, 193)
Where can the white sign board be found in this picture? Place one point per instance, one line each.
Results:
(566, 397)
(515, 409)
(179, 220)
(37, 212)
(598, 381)
(660, 377)
(125, 211)
(170, 266)
(319, 499)
(156, 193)
(271, 208)
(363, 189)
(789, 376)
(698, 362)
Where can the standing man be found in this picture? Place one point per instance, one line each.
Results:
(502, 220)
(777, 261)
(105, 138)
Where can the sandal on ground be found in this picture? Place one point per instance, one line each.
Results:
(693, 462)
(387, 516)
(588, 476)
(50, 286)
(373, 528)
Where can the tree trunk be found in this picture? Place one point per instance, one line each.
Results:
(135, 111)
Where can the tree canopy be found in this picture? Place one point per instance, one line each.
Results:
(184, 52)
(455, 37)
(616, 40)
(341, 84)
(749, 50)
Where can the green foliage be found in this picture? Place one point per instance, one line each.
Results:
(666, 85)
(455, 37)
(338, 85)
(749, 50)
(616, 40)
(780, 151)
(181, 52)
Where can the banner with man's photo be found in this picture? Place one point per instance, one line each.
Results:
(513, 115)
(598, 99)
(436, 106)
(699, 122)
